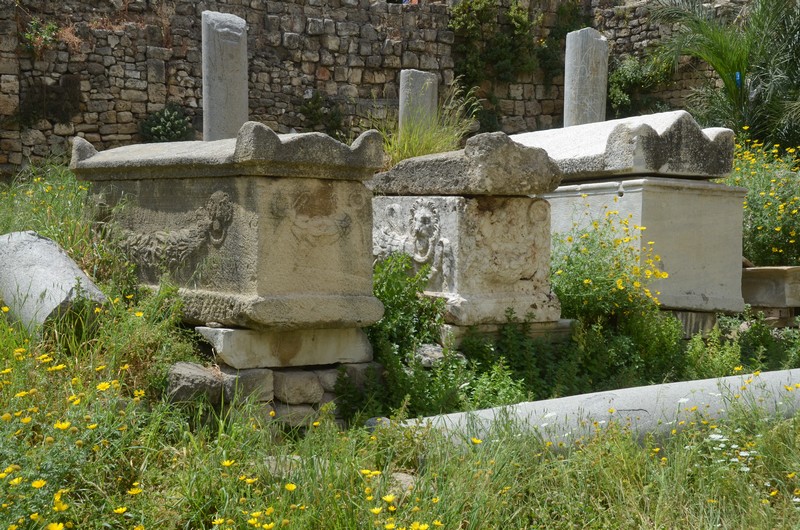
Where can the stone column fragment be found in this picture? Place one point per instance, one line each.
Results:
(419, 99)
(585, 77)
(225, 96)
(38, 280)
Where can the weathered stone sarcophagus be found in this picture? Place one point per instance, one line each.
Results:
(469, 215)
(265, 232)
(655, 170)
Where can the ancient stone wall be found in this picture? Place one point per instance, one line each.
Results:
(113, 63)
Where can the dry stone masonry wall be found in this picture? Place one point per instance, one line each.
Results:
(113, 63)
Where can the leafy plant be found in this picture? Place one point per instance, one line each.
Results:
(169, 124)
(713, 356)
(322, 114)
(754, 56)
(599, 272)
(629, 85)
(485, 52)
(39, 36)
(772, 205)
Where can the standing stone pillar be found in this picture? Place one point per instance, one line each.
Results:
(418, 98)
(225, 105)
(585, 77)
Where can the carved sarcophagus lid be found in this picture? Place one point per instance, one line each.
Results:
(668, 144)
(489, 165)
(262, 231)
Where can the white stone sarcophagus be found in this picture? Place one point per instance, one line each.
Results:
(470, 216)
(656, 169)
(272, 233)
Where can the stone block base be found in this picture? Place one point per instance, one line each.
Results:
(696, 228)
(245, 348)
(558, 331)
(695, 322)
(771, 286)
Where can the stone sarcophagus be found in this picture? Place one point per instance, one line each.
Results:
(654, 169)
(469, 216)
(265, 232)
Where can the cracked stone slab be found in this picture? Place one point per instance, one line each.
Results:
(489, 164)
(669, 144)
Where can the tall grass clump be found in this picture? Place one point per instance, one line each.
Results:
(772, 205)
(444, 132)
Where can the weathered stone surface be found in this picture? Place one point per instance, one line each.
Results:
(241, 385)
(486, 254)
(665, 144)
(655, 409)
(429, 354)
(294, 415)
(190, 381)
(256, 151)
(248, 249)
(585, 77)
(295, 387)
(419, 100)
(39, 281)
(225, 97)
(244, 348)
(771, 286)
(696, 228)
(327, 378)
(489, 164)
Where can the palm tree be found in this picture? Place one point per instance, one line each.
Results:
(754, 55)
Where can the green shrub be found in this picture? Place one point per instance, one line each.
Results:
(630, 83)
(771, 228)
(601, 273)
(713, 356)
(169, 124)
(323, 114)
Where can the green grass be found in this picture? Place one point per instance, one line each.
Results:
(86, 442)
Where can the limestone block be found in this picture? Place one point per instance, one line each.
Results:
(240, 385)
(696, 228)
(585, 77)
(39, 281)
(225, 97)
(190, 381)
(771, 286)
(243, 348)
(327, 378)
(294, 415)
(669, 144)
(295, 387)
(490, 164)
(486, 254)
(262, 231)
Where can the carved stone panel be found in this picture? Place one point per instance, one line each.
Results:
(486, 254)
(263, 232)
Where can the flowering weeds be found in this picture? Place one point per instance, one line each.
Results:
(605, 268)
(771, 228)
